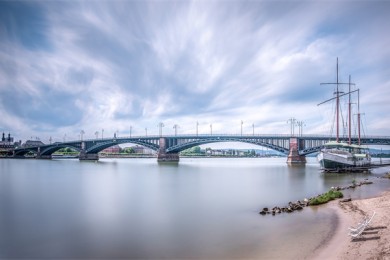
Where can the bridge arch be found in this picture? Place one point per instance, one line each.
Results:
(195, 142)
(23, 152)
(52, 149)
(100, 146)
(311, 150)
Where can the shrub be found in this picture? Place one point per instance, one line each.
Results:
(324, 198)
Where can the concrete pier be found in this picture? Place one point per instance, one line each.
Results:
(47, 157)
(88, 156)
(168, 157)
(163, 156)
(293, 157)
(42, 156)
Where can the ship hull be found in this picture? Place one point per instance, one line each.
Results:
(337, 162)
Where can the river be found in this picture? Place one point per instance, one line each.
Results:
(136, 208)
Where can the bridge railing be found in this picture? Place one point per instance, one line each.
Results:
(274, 136)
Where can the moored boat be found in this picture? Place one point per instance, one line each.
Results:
(340, 156)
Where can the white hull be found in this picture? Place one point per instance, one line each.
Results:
(335, 160)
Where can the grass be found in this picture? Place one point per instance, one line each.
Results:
(324, 198)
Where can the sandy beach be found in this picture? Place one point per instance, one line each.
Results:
(374, 243)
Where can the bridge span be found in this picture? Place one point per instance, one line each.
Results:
(169, 147)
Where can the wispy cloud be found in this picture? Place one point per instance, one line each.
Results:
(67, 66)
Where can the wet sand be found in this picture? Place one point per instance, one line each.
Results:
(374, 243)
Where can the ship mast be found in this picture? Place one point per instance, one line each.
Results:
(358, 117)
(349, 111)
(337, 99)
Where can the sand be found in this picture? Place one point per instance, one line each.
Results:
(374, 243)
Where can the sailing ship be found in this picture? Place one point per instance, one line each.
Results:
(342, 156)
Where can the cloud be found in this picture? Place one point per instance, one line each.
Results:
(109, 65)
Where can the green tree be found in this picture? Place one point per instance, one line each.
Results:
(68, 150)
(129, 150)
(195, 150)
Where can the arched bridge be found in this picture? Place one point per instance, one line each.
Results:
(169, 147)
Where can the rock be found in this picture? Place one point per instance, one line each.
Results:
(265, 209)
(345, 200)
(262, 212)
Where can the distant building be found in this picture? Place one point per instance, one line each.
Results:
(217, 152)
(30, 143)
(138, 149)
(112, 149)
(142, 150)
(7, 143)
(8, 139)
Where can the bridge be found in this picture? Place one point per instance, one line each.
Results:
(169, 147)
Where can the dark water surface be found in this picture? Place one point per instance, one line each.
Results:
(136, 208)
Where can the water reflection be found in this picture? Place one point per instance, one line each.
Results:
(137, 208)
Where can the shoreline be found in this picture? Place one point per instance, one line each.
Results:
(374, 243)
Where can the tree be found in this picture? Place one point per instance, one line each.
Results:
(129, 150)
(195, 149)
(68, 150)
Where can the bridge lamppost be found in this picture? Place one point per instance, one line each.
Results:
(81, 134)
(146, 131)
(102, 132)
(300, 124)
(211, 129)
(50, 140)
(253, 129)
(176, 127)
(292, 121)
(97, 134)
(160, 126)
(241, 126)
(197, 125)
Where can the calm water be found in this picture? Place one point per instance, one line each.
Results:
(136, 208)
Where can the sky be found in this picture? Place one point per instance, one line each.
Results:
(111, 66)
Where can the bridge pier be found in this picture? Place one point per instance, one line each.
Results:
(163, 156)
(83, 156)
(46, 157)
(293, 157)
(42, 156)
(168, 157)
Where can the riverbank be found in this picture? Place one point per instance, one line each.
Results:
(375, 240)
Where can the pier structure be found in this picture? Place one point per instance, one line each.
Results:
(163, 155)
(293, 155)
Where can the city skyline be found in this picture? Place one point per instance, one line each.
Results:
(220, 66)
